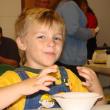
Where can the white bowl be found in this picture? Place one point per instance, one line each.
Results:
(76, 100)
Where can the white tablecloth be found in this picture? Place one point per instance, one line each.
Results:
(102, 107)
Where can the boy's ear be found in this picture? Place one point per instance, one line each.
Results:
(20, 43)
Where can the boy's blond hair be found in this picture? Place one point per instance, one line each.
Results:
(40, 16)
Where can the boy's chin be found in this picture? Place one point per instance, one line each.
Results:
(47, 64)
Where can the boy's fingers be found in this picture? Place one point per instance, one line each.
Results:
(41, 87)
(84, 69)
(87, 84)
(86, 76)
(87, 73)
(47, 83)
(49, 70)
(46, 79)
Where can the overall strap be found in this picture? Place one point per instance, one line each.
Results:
(63, 87)
(22, 75)
(64, 77)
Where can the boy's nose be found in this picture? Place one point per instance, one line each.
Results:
(51, 42)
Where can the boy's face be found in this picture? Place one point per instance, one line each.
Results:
(43, 45)
(47, 3)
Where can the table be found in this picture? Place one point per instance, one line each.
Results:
(99, 68)
(102, 107)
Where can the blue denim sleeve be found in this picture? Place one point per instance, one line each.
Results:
(75, 20)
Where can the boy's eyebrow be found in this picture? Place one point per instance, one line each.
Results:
(60, 34)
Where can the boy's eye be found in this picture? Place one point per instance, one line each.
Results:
(41, 37)
(58, 38)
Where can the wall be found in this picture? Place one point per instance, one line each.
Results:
(9, 10)
(101, 9)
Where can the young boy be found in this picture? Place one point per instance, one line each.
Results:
(40, 34)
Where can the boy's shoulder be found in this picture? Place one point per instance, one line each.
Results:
(9, 77)
(9, 74)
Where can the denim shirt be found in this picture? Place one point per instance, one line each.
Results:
(75, 47)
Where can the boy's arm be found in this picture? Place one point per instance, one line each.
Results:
(9, 94)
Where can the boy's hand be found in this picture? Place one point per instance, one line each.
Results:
(92, 82)
(41, 82)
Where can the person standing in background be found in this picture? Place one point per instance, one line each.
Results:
(92, 22)
(9, 53)
(75, 48)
